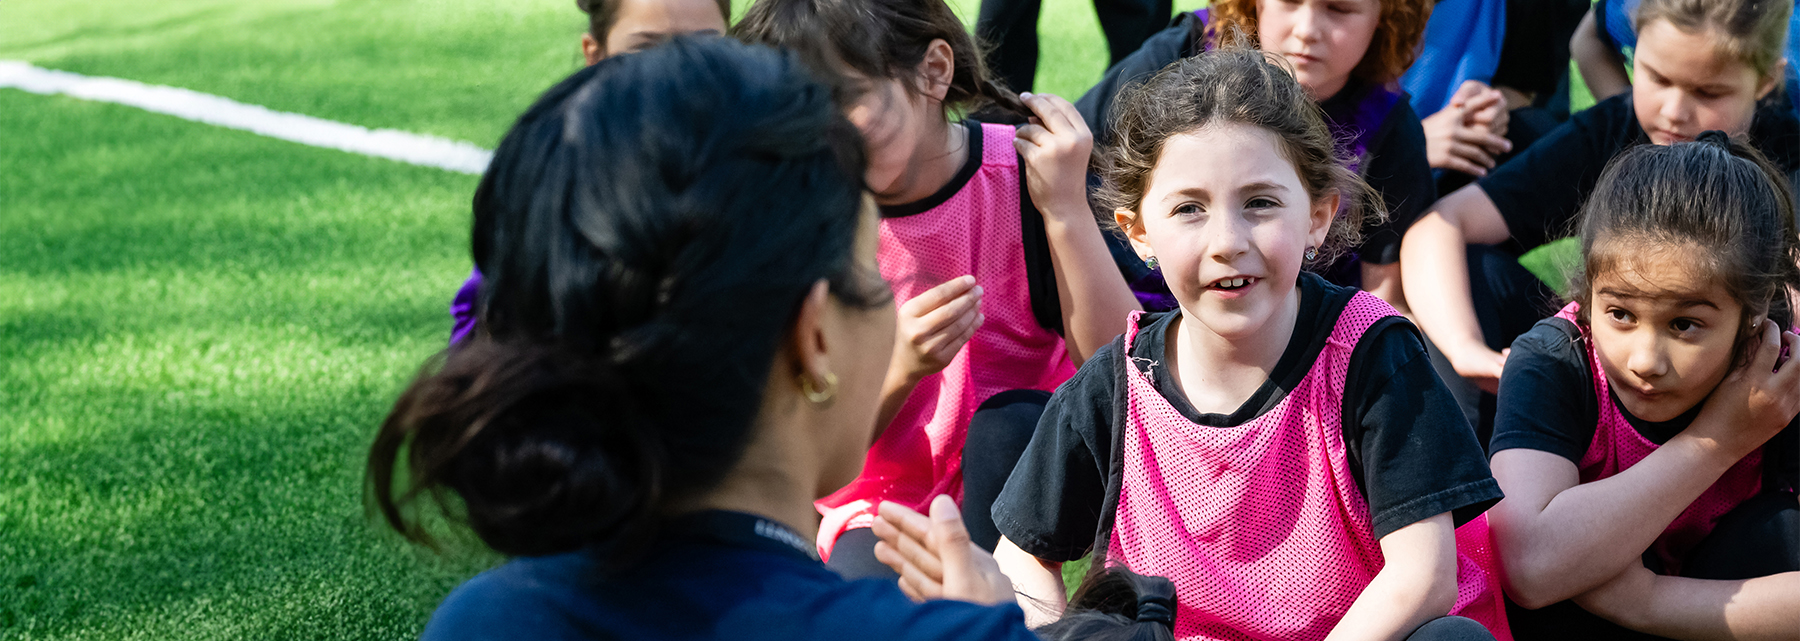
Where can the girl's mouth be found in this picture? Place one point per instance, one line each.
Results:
(1233, 283)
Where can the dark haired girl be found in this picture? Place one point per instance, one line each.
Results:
(1001, 274)
(1646, 438)
(683, 347)
(614, 27)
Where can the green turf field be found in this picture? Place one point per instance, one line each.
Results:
(200, 328)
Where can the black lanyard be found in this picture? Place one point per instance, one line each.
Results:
(737, 529)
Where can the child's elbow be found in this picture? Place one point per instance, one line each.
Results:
(1441, 591)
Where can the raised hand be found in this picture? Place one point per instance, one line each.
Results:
(935, 325)
(934, 556)
(1056, 146)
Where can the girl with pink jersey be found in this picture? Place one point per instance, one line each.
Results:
(1645, 436)
(1002, 277)
(1279, 447)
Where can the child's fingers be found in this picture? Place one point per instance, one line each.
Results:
(944, 351)
(1768, 348)
(1034, 134)
(1484, 138)
(884, 552)
(1058, 115)
(938, 295)
(938, 320)
(1472, 153)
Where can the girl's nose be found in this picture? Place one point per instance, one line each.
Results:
(1677, 107)
(1230, 238)
(1306, 23)
(1648, 360)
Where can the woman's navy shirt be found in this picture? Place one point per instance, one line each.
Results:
(711, 575)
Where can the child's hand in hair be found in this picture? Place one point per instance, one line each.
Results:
(1056, 146)
(1755, 402)
(935, 325)
(935, 558)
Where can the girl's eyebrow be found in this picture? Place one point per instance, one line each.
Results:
(1264, 185)
(1682, 299)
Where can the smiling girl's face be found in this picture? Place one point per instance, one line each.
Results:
(1664, 331)
(1230, 235)
(1684, 84)
(1324, 40)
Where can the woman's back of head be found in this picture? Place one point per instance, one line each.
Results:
(640, 278)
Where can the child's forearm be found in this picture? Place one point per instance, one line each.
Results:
(894, 390)
(1415, 585)
(1392, 608)
(1697, 609)
(1095, 299)
(1038, 582)
(1588, 533)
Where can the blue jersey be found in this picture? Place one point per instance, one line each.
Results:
(711, 575)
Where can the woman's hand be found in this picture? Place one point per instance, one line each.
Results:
(1468, 134)
(1056, 146)
(934, 326)
(1757, 400)
(934, 556)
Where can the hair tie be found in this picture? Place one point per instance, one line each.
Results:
(1716, 137)
(1158, 609)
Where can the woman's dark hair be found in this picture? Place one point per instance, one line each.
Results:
(1717, 195)
(602, 14)
(1242, 86)
(884, 40)
(640, 279)
(1116, 604)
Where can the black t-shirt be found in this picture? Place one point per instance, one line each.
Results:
(1410, 450)
(1540, 191)
(1395, 166)
(1534, 55)
(1040, 273)
(1547, 403)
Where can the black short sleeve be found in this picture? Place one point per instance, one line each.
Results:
(1178, 41)
(1414, 452)
(1051, 505)
(1547, 398)
(1539, 191)
(1400, 171)
(1534, 55)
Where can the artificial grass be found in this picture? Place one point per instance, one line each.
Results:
(201, 329)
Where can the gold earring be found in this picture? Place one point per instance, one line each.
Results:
(819, 397)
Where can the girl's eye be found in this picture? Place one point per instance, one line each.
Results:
(1619, 315)
(1261, 203)
(1188, 209)
(1684, 324)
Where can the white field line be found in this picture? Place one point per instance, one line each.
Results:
(430, 151)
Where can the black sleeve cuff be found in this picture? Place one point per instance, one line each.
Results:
(1464, 502)
(1036, 545)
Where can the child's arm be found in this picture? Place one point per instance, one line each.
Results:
(1601, 66)
(1559, 537)
(1038, 582)
(1681, 608)
(1417, 583)
(1434, 267)
(1095, 298)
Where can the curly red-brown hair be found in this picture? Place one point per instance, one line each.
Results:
(1391, 50)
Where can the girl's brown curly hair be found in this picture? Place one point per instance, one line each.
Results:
(1391, 50)
(1243, 86)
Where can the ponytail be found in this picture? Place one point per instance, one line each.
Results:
(1116, 604)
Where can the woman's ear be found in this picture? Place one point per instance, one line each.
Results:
(591, 49)
(807, 342)
(937, 69)
(1323, 213)
(1129, 222)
